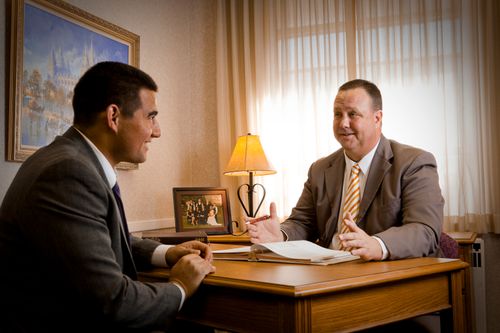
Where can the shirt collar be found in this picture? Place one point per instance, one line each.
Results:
(109, 171)
(364, 163)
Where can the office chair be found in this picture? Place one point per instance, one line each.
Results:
(448, 246)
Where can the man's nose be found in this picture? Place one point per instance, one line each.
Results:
(344, 121)
(156, 133)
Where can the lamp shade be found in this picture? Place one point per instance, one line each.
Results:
(248, 156)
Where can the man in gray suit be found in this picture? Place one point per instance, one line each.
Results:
(68, 262)
(401, 209)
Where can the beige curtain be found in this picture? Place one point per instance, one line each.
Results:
(281, 62)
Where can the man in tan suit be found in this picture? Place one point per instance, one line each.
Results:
(401, 209)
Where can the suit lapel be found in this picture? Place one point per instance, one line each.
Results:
(334, 178)
(128, 262)
(379, 167)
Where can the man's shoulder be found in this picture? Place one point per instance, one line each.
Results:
(398, 147)
(61, 149)
(64, 155)
(406, 152)
(57, 165)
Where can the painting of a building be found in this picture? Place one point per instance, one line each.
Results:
(56, 53)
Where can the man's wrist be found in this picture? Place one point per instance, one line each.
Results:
(385, 252)
(182, 290)
(159, 257)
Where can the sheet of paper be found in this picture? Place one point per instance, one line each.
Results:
(301, 249)
(244, 249)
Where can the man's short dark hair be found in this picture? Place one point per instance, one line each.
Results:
(370, 88)
(109, 83)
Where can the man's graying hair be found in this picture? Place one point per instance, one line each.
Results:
(370, 88)
(109, 83)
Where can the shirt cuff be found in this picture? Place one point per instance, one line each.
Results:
(285, 235)
(183, 294)
(385, 252)
(158, 257)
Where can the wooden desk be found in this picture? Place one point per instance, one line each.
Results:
(269, 297)
(465, 241)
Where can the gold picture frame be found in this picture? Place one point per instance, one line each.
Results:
(51, 44)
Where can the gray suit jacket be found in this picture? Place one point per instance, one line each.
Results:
(66, 265)
(401, 203)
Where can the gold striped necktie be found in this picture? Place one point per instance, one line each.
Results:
(352, 200)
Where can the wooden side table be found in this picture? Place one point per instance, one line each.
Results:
(230, 239)
(465, 241)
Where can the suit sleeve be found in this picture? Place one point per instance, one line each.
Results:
(420, 210)
(142, 250)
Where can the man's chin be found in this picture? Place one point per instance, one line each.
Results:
(347, 143)
(136, 159)
(350, 149)
(141, 160)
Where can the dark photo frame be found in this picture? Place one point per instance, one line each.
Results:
(202, 208)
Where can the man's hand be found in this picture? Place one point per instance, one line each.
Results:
(362, 244)
(189, 271)
(192, 247)
(266, 231)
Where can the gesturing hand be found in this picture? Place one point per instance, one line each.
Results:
(362, 244)
(266, 231)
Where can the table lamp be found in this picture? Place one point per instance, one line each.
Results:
(248, 158)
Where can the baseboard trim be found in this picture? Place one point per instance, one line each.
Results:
(143, 225)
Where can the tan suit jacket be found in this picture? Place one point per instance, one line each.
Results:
(401, 204)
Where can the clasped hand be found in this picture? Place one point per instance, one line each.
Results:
(192, 247)
(191, 262)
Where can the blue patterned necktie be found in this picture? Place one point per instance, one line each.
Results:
(116, 192)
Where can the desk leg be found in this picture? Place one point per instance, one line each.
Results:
(469, 304)
(453, 320)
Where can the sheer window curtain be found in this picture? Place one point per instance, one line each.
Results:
(279, 64)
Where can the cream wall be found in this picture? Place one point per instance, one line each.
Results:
(177, 48)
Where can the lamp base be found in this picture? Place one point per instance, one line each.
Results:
(250, 190)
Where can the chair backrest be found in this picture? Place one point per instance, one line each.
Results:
(448, 246)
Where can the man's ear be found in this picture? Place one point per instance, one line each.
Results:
(378, 118)
(112, 113)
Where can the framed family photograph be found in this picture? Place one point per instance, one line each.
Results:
(202, 208)
(52, 43)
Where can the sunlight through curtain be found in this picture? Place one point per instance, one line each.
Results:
(279, 64)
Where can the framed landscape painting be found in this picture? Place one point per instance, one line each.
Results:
(52, 43)
(202, 208)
